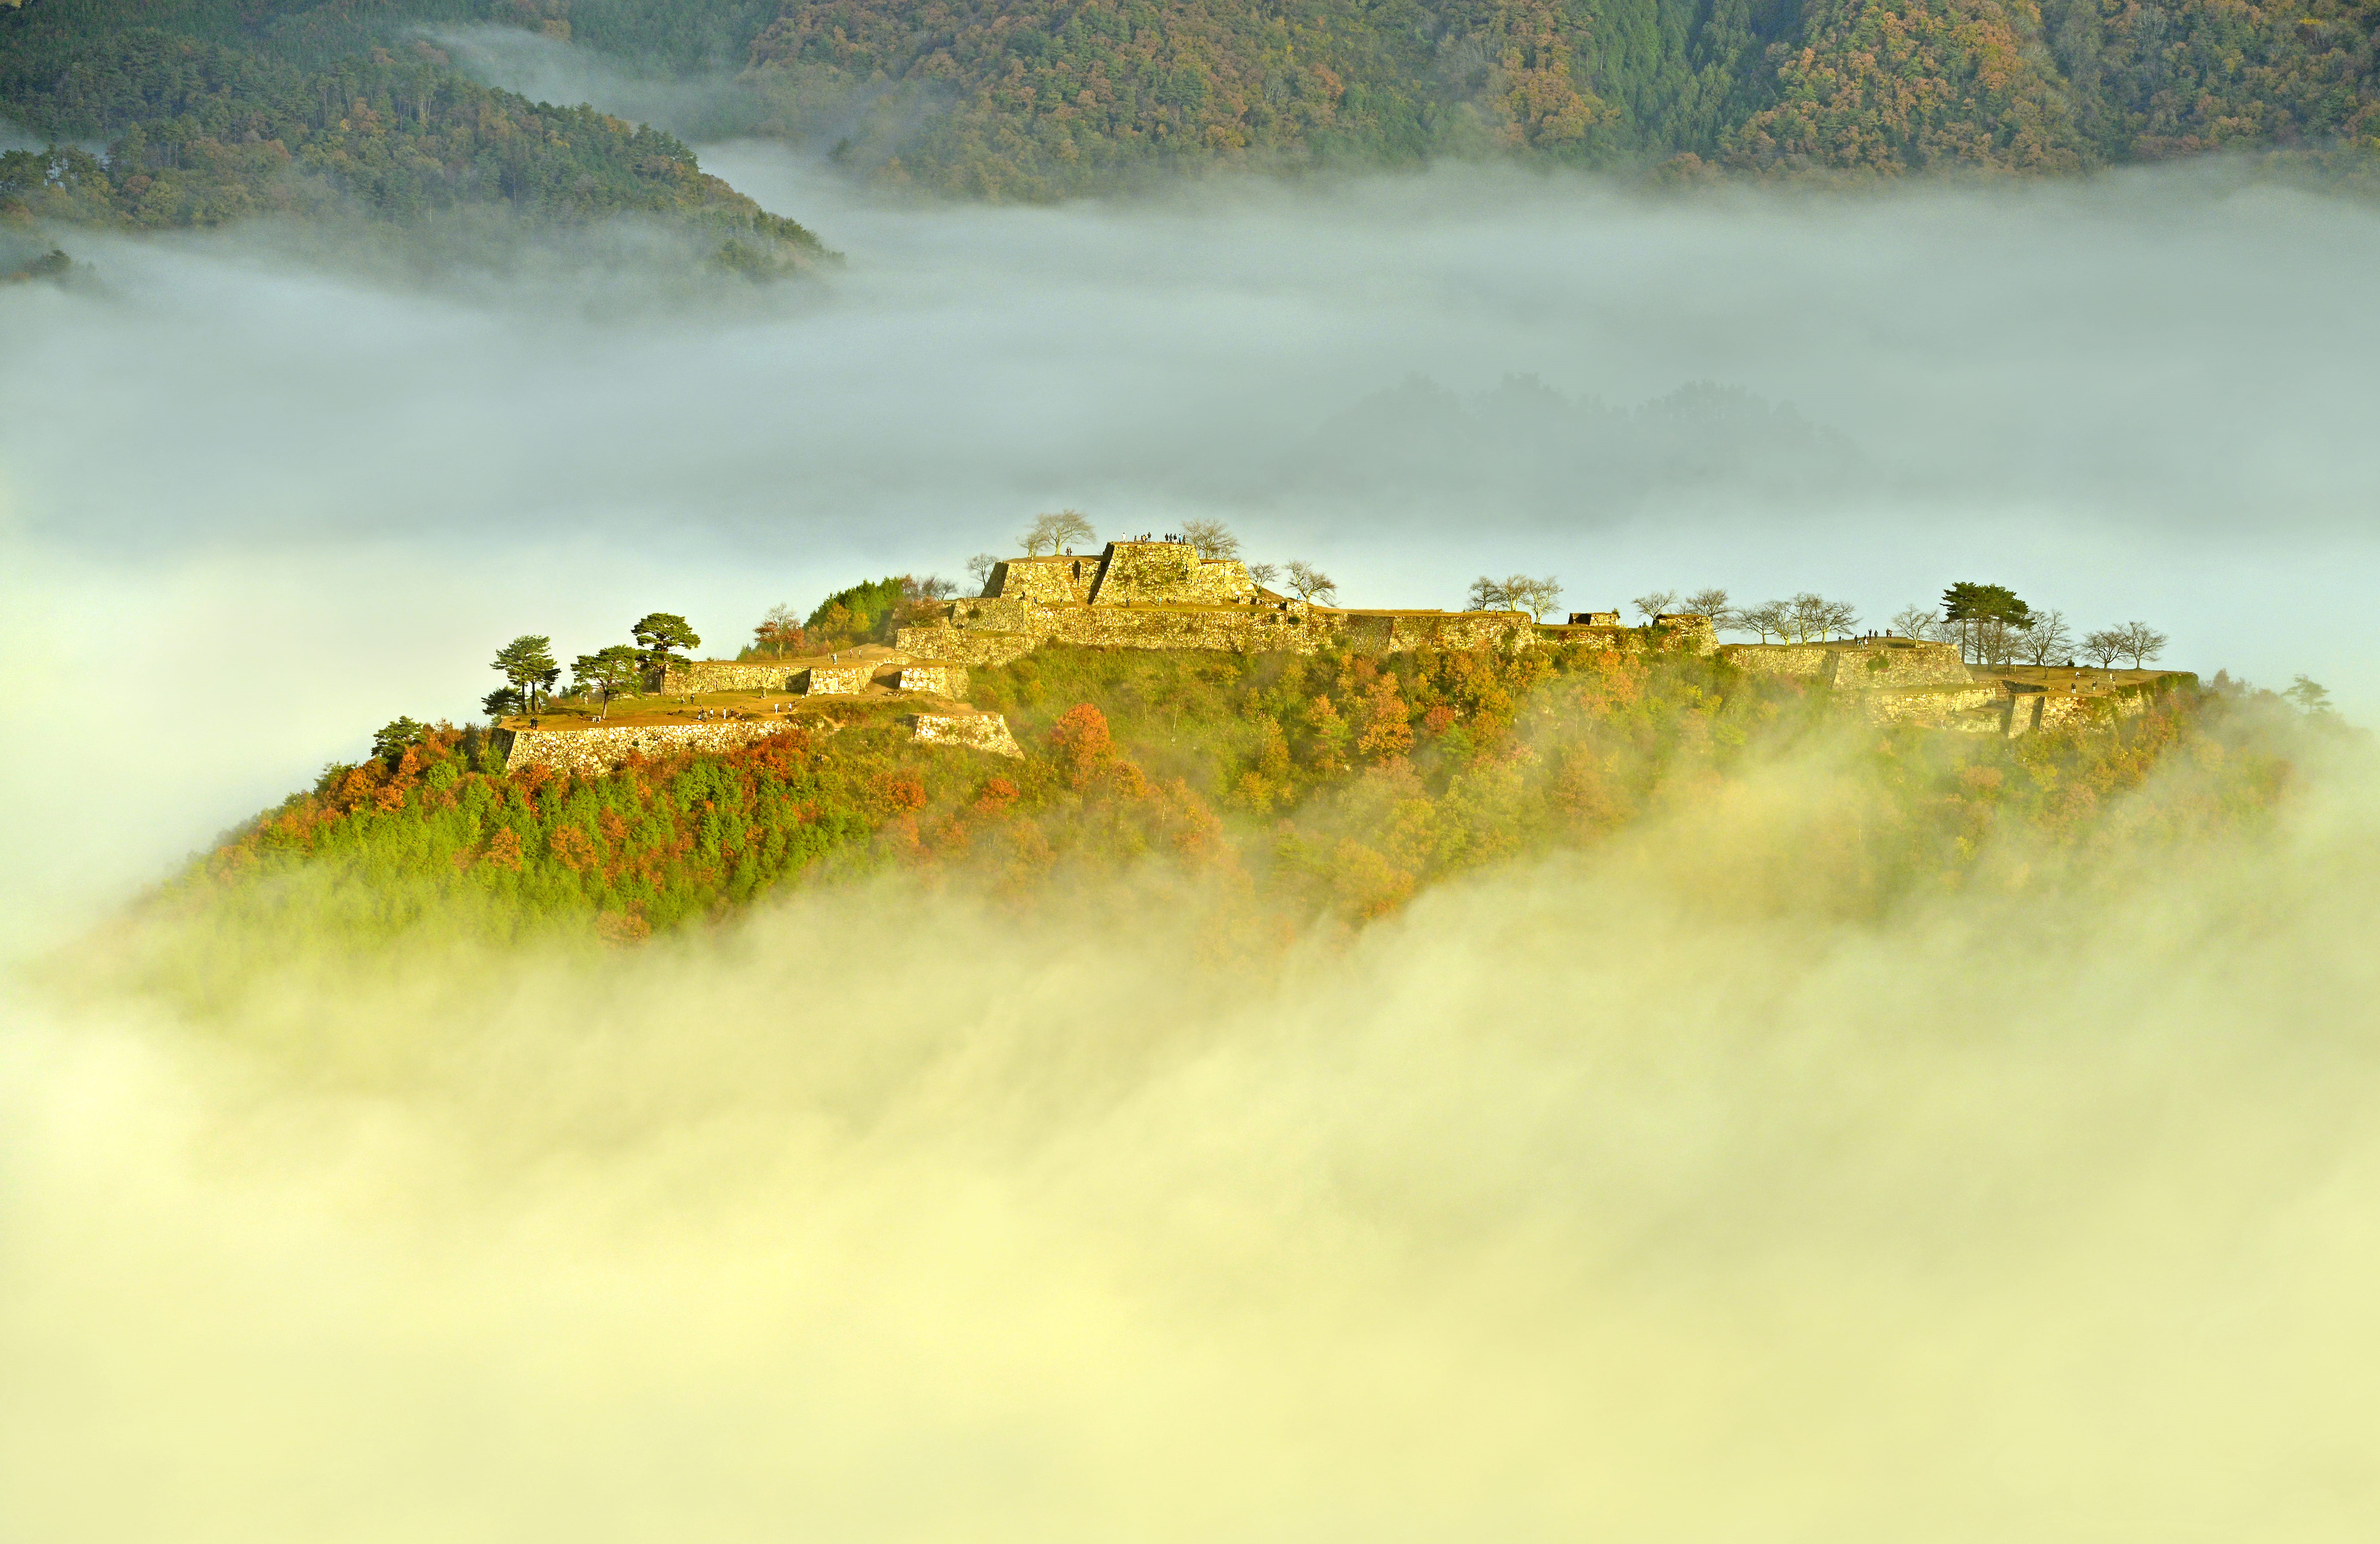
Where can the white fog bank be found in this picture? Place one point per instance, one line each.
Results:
(1578, 1202)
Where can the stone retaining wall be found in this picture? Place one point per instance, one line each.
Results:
(974, 731)
(986, 633)
(1855, 665)
(702, 675)
(1044, 580)
(941, 680)
(1168, 572)
(595, 751)
(974, 646)
(1898, 663)
(1777, 659)
(1396, 632)
(838, 680)
(1938, 706)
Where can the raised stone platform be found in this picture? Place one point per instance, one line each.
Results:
(595, 751)
(836, 680)
(935, 680)
(697, 676)
(974, 731)
(1854, 664)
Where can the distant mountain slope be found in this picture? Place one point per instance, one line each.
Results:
(1023, 99)
(210, 111)
(1006, 97)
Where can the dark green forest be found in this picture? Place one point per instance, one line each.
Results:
(213, 109)
(212, 112)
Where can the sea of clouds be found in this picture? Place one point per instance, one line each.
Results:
(1643, 1197)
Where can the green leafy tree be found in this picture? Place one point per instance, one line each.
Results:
(528, 667)
(393, 739)
(1987, 617)
(660, 635)
(862, 613)
(608, 671)
(2310, 696)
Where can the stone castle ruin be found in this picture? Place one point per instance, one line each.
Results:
(1165, 595)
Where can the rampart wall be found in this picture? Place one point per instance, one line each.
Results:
(1856, 665)
(702, 675)
(992, 632)
(974, 731)
(1048, 581)
(1977, 705)
(1396, 632)
(1692, 635)
(593, 752)
(970, 646)
(1807, 659)
(837, 680)
(1897, 663)
(941, 680)
(1144, 573)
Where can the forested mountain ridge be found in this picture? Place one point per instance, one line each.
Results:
(1043, 95)
(236, 105)
(210, 111)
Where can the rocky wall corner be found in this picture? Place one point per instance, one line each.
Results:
(987, 732)
(599, 750)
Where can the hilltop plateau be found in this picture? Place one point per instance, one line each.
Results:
(1155, 710)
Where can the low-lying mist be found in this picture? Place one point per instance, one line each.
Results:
(1640, 1195)
(1634, 1196)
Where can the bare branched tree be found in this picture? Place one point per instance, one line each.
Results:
(2044, 637)
(1809, 616)
(1487, 594)
(1770, 617)
(1918, 622)
(981, 566)
(1052, 533)
(2141, 643)
(1661, 602)
(1212, 538)
(1311, 583)
(1263, 573)
(1536, 596)
(1711, 603)
(2104, 647)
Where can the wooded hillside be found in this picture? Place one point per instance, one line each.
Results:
(210, 113)
(1010, 99)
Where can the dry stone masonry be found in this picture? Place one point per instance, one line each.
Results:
(975, 731)
(594, 752)
(1164, 595)
(934, 680)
